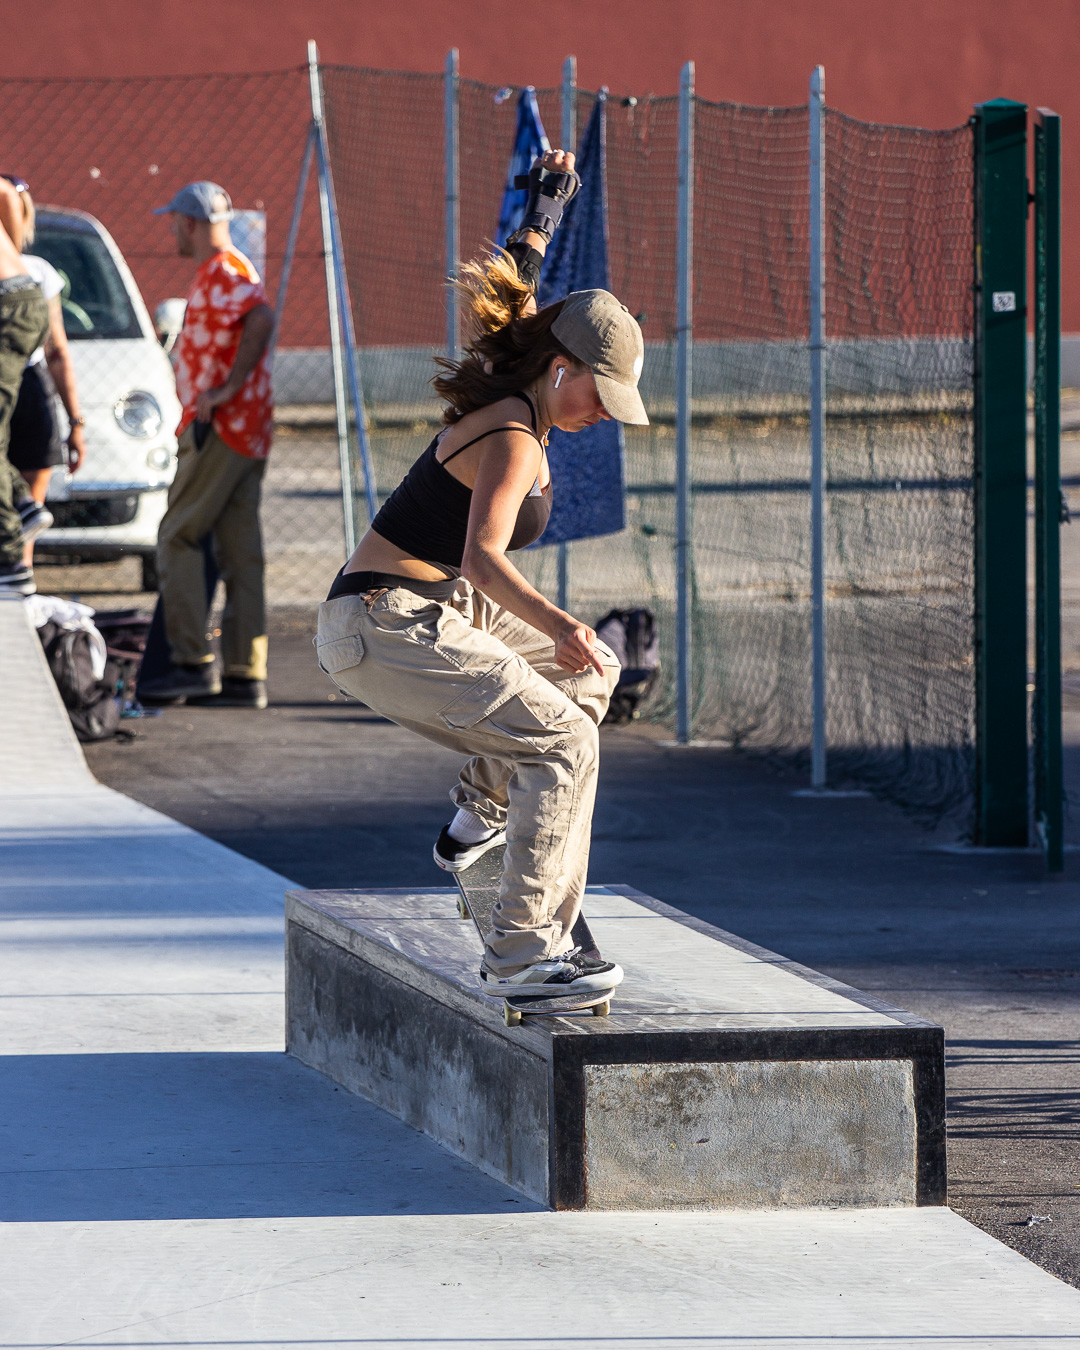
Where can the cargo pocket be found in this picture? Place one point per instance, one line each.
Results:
(489, 692)
(514, 705)
(537, 718)
(341, 654)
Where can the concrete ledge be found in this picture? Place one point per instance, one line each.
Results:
(726, 1076)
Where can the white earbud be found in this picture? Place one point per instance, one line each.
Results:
(558, 376)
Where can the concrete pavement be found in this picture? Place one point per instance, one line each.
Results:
(170, 1177)
(985, 944)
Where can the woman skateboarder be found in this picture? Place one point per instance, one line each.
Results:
(431, 624)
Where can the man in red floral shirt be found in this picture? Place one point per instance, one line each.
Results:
(223, 382)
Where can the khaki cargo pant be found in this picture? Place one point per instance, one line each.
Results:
(469, 675)
(215, 490)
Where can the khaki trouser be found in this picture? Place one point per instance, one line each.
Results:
(469, 675)
(24, 321)
(215, 490)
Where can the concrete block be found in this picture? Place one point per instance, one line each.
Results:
(381, 1037)
(726, 1076)
(785, 1133)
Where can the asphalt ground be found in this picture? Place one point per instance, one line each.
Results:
(330, 795)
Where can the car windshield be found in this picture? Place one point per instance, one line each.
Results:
(95, 301)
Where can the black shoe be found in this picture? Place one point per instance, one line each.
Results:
(35, 517)
(453, 856)
(16, 579)
(236, 692)
(186, 682)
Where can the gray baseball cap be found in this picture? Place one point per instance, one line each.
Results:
(598, 330)
(200, 201)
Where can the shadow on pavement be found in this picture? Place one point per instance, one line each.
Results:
(213, 1136)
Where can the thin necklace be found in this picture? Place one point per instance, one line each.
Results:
(534, 396)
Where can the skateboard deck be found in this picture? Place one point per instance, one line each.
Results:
(478, 888)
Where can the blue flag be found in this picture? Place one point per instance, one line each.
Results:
(586, 466)
(529, 141)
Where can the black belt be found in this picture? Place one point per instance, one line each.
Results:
(359, 583)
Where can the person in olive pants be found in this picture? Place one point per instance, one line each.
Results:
(24, 321)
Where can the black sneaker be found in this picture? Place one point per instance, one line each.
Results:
(181, 682)
(570, 974)
(16, 579)
(236, 692)
(453, 856)
(36, 519)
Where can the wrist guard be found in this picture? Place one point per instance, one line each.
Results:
(550, 191)
(528, 260)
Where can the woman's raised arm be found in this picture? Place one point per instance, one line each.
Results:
(552, 183)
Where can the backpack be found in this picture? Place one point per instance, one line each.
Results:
(124, 630)
(94, 706)
(633, 636)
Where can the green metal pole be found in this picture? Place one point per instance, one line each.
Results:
(1001, 749)
(1049, 780)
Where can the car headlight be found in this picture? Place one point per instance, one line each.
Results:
(139, 414)
(159, 458)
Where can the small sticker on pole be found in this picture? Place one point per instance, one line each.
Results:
(1004, 302)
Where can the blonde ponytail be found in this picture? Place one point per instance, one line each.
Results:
(491, 294)
(507, 345)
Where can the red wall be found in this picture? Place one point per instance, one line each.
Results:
(922, 62)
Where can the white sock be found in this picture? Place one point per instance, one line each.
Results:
(468, 828)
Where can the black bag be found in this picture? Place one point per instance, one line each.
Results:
(125, 630)
(632, 635)
(94, 706)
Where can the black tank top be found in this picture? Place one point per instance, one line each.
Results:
(427, 514)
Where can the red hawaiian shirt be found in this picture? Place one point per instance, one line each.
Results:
(226, 287)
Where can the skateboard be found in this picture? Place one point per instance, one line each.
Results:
(478, 890)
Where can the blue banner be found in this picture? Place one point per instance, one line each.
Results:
(529, 141)
(586, 466)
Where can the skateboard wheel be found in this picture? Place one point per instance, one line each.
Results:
(511, 1016)
(462, 908)
(601, 1009)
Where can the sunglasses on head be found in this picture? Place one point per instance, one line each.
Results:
(19, 184)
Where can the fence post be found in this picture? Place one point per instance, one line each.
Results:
(348, 496)
(294, 234)
(684, 387)
(568, 142)
(1049, 512)
(1001, 753)
(450, 147)
(819, 741)
(348, 331)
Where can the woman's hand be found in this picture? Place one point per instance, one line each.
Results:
(574, 650)
(562, 160)
(76, 449)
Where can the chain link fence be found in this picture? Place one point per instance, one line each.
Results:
(99, 156)
(899, 370)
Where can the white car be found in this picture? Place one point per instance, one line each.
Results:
(127, 392)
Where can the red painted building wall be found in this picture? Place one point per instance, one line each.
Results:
(925, 62)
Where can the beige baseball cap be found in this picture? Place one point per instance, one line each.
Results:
(598, 330)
